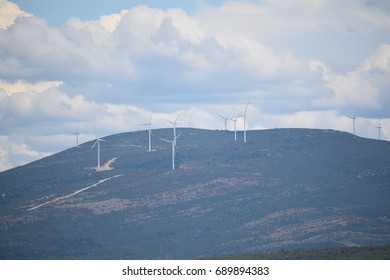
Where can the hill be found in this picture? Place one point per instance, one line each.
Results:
(333, 253)
(283, 189)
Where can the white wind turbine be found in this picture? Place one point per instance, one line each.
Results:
(174, 127)
(98, 140)
(353, 120)
(150, 132)
(77, 135)
(173, 142)
(226, 119)
(235, 126)
(379, 130)
(244, 116)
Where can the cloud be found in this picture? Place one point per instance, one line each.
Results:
(299, 63)
(23, 86)
(26, 104)
(321, 30)
(9, 12)
(235, 47)
(364, 87)
(134, 47)
(15, 152)
(382, 4)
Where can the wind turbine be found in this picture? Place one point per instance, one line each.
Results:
(150, 132)
(174, 127)
(235, 126)
(353, 120)
(77, 135)
(173, 142)
(379, 130)
(98, 140)
(226, 119)
(244, 116)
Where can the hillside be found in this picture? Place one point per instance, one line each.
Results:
(336, 253)
(284, 189)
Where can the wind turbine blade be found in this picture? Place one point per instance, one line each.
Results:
(177, 136)
(169, 141)
(93, 146)
(175, 121)
(225, 118)
(95, 132)
(246, 107)
(177, 117)
(150, 119)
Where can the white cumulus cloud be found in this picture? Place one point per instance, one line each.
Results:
(9, 12)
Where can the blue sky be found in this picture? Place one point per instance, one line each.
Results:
(110, 64)
(58, 12)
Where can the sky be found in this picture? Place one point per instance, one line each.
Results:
(82, 64)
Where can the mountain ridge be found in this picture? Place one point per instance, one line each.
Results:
(284, 188)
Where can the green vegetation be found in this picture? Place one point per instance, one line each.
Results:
(334, 253)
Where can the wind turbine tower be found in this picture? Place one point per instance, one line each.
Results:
(174, 127)
(150, 132)
(98, 140)
(226, 119)
(379, 130)
(173, 142)
(77, 135)
(244, 116)
(353, 121)
(235, 126)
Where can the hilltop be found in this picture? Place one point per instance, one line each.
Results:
(283, 189)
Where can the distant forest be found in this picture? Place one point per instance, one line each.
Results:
(334, 253)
